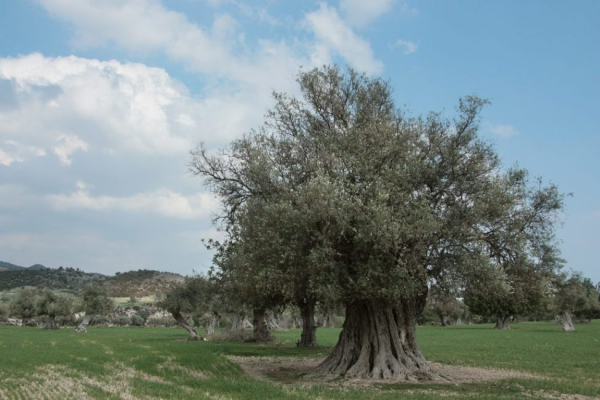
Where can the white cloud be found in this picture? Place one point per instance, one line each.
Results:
(504, 131)
(147, 26)
(333, 32)
(140, 25)
(113, 107)
(67, 146)
(408, 46)
(17, 152)
(162, 202)
(361, 12)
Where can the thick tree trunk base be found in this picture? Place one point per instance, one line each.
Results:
(501, 323)
(564, 318)
(240, 322)
(308, 337)
(213, 321)
(377, 342)
(182, 322)
(82, 327)
(261, 332)
(51, 324)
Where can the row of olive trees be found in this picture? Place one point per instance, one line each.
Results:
(31, 303)
(564, 296)
(342, 198)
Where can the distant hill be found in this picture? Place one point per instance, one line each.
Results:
(133, 283)
(61, 278)
(10, 267)
(141, 283)
(37, 267)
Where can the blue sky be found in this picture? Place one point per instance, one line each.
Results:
(101, 101)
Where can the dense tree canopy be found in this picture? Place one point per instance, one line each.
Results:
(574, 295)
(339, 194)
(54, 305)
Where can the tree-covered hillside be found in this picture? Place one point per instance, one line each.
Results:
(133, 283)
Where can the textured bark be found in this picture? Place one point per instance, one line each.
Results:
(501, 322)
(378, 342)
(182, 322)
(328, 317)
(82, 327)
(566, 321)
(273, 322)
(308, 337)
(240, 322)
(261, 332)
(51, 324)
(213, 320)
(443, 321)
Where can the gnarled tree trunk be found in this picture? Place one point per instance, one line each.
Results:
(261, 331)
(378, 342)
(501, 322)
(443, 321)
(566, 321)
(240, 322)
(82, 327)
(328, 317)
(308, 337)
(51, 324)
(182, 322)
(213, 320)
(273, 321)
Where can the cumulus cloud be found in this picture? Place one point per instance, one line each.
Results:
(331, 30)
(407, 46)
(361, 13)
(69, 104)
(162, 202)
(504, 131)
(67, 146)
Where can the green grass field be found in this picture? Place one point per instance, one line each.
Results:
(153, 363)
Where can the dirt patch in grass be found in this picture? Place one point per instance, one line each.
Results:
(293, 369)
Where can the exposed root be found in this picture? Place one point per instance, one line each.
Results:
(296, 370)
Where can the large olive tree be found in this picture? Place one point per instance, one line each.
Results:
(341, 190)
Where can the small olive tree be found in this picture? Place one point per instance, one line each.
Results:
(573, 297)
(23, 305)
(54, 305)
(94, 301)
(184, 299)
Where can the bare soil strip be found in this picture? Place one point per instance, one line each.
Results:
(292, 370)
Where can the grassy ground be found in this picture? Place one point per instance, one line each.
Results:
(149, 363)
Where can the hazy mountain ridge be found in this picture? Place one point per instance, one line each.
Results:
(132, 283)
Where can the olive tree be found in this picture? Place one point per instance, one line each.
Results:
(94, 301)
(23, 305)
(184, 299)
(515, 288)
(53, 305)
(444, 305)
(367, 204)
(573, 295)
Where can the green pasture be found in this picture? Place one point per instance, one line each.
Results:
(157, 363)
